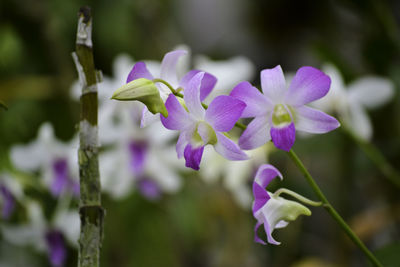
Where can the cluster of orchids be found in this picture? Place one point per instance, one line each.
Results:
(277, 110)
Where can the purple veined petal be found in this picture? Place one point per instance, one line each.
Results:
(149, 188)
(139, 70)
(207, 84)
(261, 197)
(168, 66)
(228, 149)
(283, 137)
(257, 104)
(56, 247)
(178, 118)
(273, 84)
(138, 152)
(193, 156)
(192, 96)
(8, 202)
(223, 112)
(308, 84)
(265, 174)
(60, 178)
(314, 121)
(268, 231)
(257, 239)
(256, 134)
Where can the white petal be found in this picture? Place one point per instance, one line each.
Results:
(359, 122)
(371, 91)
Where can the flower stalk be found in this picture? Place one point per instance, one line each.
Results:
(90, 209)
(329, 208)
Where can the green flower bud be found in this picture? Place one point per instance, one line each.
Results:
(142, 90)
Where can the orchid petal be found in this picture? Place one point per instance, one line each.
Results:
(265, 174)
(193, 156)
(308, 84)
(178, 118)
(256, 237)
(223, 112)
(256, 134)
(269, 231)
(168, 66)
(192, 96)
(207, 84)
(261, 197)
(371, 91)
(257, 104)
(273, 83)
(314, 121)
(228, 149)
(147, 117)
(359, 122)
(139, 70)
(283, 137)
(181, 144)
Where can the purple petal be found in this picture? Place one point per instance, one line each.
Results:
(308, 84)
(56, 247)
(149, 189)
(283, 138)
(314, 121)
(139, 70)
(138, 151)
(178, 118)
(228, 149)
(265, 174)
(256, 103)
(207, 84)
(192, 96)
(223, 112)
(256, 134)
(168, 66)
(256, 237)
(60, 178)
(261, 197)
(193, 156)
(273, 84)
(8, 202)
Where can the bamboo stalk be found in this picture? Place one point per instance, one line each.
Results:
(90, 209)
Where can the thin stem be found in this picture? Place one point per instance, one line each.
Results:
(297, 196)
(328, 207)
(90, 209)
(375, 156)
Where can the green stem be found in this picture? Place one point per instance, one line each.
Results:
(297, 196)
(90, 209)
(328, 207)
(375, 156)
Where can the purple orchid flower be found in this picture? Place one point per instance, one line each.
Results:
(270, 209)
(62, 181)
(8, 202)
(278, 112)
(199, 127)
(56, 247)
(168, 74)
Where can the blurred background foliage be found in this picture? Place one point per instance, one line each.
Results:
(202, 225)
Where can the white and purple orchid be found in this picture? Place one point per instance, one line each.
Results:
(168, 73)
(55, 160)
(270, 209)
(279, 111)
(199, 127)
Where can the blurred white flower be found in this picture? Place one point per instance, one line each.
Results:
(45, 237)
(10, 192)
(350, 103)
(236, 175)
(56, 161)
